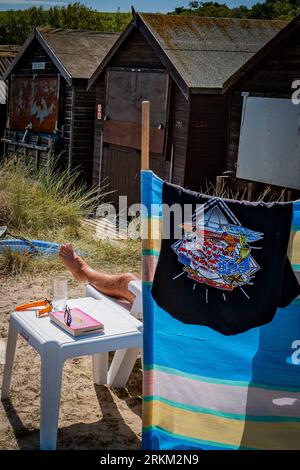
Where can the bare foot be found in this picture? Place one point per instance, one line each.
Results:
(114, 285)
(73, 262)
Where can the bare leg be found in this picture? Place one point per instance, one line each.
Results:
(115, 285)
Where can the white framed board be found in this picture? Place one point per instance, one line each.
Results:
(269, 147)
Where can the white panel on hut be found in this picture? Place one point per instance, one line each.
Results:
(270, 142)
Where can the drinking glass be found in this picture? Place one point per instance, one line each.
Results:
(60, 292)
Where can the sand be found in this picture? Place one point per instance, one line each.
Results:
(91, 416)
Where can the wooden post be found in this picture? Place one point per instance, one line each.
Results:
(220, 185)
(282, 195)
(250, 190)
(145, 135)
(145, 139)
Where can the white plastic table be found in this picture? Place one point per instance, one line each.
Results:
(121, 331)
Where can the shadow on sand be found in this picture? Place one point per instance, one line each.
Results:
(110, 432)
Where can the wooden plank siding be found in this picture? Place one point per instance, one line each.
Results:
(98, 128)
(35, 53)
(3, 116)
(135, 52)
(276, 75)
(180, 109)
(120, 165)
(207, 140)
(67, 120)
(235, 114)
(83, 129)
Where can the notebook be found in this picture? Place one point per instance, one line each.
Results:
(81, 322)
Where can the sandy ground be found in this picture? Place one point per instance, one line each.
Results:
(91, 416)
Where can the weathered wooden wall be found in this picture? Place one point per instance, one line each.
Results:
(35, 53)
(67, 113)
(180, 115)
(98, 128)
(82, 143)
(235, 114)
(3, 111)
(136, 53)
(207, 140)
(120, 164)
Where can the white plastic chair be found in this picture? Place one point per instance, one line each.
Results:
(54, 345)
(124, 359)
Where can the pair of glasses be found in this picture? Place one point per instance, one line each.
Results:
(67, 316)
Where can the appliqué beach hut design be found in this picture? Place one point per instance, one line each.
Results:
(216, 249)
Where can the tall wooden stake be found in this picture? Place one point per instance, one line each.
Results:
(145, 134)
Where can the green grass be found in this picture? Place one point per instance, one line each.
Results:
(48, 205)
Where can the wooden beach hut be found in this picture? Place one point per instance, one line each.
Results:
(50, 109)
(7, 54)
(179, 64)
(264, 120)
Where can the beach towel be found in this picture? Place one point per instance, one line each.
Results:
(227, 268)
(206, 390)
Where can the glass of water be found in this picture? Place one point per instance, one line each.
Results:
(60, 292)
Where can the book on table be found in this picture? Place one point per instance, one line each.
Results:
(80, 322)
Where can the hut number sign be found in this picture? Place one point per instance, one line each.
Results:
(99, 111)
(38, 65)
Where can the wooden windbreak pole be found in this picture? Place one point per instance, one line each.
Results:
(145, 143)
(145, 135)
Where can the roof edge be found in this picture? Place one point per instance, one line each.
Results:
(217, 18)
(181, 83)
(262, 54)
(206, 91)
(19, 55)
(138, 23)
(36, 34)
(111, 53)
(43, 41)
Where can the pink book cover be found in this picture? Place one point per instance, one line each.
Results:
(80, 320)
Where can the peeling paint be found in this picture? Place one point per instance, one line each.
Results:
(34, 101)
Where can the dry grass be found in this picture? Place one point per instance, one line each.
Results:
(13, 263)
(34, 200)
(267, 195)
(48, 205)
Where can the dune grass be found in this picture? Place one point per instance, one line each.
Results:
(50, 205)
(44, 199)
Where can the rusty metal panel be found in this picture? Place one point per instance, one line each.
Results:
(127, 134)
(34, 100)
(128, 88)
